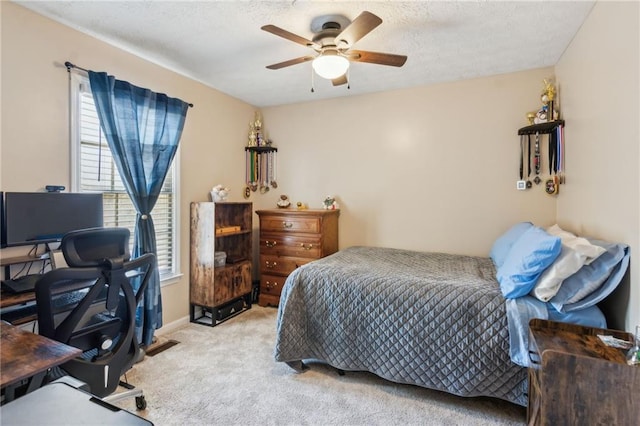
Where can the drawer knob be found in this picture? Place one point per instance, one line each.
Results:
(270, 264)
(271, 286)
(306, 246)
(287, 224)
(270, 243)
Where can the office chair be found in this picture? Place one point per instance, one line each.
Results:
(91, 305)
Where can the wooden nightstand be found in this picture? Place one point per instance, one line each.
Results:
(576, 379)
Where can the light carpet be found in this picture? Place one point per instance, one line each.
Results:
(227, 375)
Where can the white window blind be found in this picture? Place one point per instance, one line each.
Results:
(96, 172)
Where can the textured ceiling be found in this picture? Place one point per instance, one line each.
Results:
(220, 43)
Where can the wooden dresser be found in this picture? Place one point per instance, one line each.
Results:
(289, 238)
(575, 379)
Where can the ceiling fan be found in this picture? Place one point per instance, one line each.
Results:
(333, 45)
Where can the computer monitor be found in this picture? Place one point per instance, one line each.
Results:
(44, 217)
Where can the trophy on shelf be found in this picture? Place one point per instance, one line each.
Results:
(252, 135)
(547, 98)
(257, 125)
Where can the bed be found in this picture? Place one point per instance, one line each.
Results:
(435, 320)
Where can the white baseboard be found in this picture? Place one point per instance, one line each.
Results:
(172, 326)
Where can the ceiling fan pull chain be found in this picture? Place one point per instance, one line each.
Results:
(312, 83)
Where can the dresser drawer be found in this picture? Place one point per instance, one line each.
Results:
(281, 265)
(291, 224)
(271, 284)
(290, 245)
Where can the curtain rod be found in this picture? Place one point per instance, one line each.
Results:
(69, 65)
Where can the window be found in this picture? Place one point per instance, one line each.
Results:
(93, 170)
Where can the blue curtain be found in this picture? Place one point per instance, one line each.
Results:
(143, 129)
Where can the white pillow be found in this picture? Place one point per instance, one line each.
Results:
(566, 264)
(581, 245)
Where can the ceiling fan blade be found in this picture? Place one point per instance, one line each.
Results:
(376, 58)
(290, 62)
(290, 36)
(360, 27)
(340, 80)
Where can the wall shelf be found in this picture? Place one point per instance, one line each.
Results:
(555, 156)
(261, 149)
(541, 128)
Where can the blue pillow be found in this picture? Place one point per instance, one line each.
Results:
(595, 281)
(529, 256)
(503, 244)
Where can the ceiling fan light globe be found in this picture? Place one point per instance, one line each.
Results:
(330, 66)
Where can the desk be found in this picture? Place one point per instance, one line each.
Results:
(24, 354)
(10, 299)
(21, 308)
(18, 308)
(60, 403)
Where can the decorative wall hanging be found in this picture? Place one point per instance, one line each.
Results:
(545, 122)
(260, 160)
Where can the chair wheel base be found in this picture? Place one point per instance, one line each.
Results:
(141, 402)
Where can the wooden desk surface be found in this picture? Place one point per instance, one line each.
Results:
(24, 354)
(10, 299)
(18, 308)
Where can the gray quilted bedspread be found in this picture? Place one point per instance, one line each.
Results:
(430, 319)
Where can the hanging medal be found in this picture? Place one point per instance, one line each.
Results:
(561, 153)
(536, 158)
(247, 165)
(272, 162)
(551, 185)
(264, 173)
(529, 184)
(521, 184)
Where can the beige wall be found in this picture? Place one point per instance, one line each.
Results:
(598, 78)
(35, 136)
(427, 168)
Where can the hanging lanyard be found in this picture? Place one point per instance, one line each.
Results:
(553, 146)
(536, 159)
(521, 156)
(529, 157)
(561, 153)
